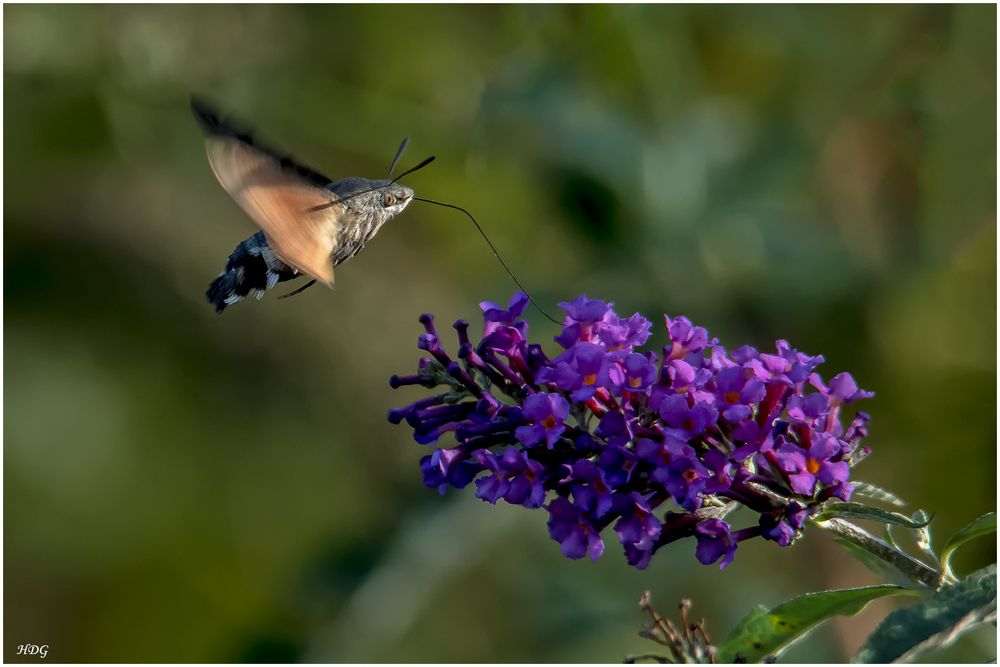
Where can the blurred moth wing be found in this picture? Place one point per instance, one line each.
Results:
(300, 218)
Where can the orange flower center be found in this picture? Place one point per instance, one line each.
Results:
(635, 382)
(549, 423)
(812, 465)
(731, 396)
(589, 379)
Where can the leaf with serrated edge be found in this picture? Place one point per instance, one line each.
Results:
(763, 633)
(935, 621)
(984, 525)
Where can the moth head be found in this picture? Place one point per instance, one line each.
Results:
(393, 198)
(380, 197)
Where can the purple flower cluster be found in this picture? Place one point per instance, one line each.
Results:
(606, 433)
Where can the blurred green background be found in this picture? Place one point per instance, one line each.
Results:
(180, 486)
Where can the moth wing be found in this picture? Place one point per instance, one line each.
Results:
(300, 220)
(288, 201)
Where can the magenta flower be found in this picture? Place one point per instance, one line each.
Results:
(614, 429)
(685, 480)
(580, 370)
(509, 315)
(618, 463)
(516, 478)
(638, 528)
(808, 409)
(637, 373)
(735, 392)
(842, 389)
(820, 463)
(546, 414)
(617, 334)
(591, 491)
(688, 420)
(715, 541)
(448, 467)
(585, 311)
(790, 365)
(685, 338)
(574, 532)
(581, 316)
(782, 525)
(635, 441)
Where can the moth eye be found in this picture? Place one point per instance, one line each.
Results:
(388, 199)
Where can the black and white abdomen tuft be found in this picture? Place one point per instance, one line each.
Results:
(252, 269)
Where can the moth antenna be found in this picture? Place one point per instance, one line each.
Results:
(495, 252)
(423, 163)
(338, 200)
(399, 154)
(299, 290)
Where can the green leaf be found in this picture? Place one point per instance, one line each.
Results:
(866, 490)
(861, 511)
(984, 525)
(918, 572)
(882, 568)
(934, 622)
(763, 633)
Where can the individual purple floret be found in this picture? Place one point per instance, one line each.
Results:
(574, 530)
(715, 541)
(516, 478)
(656, 446)
(546, 415)
(580, 370)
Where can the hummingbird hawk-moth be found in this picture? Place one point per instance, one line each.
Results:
(308, 223)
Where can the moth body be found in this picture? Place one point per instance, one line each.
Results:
(309, 224)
